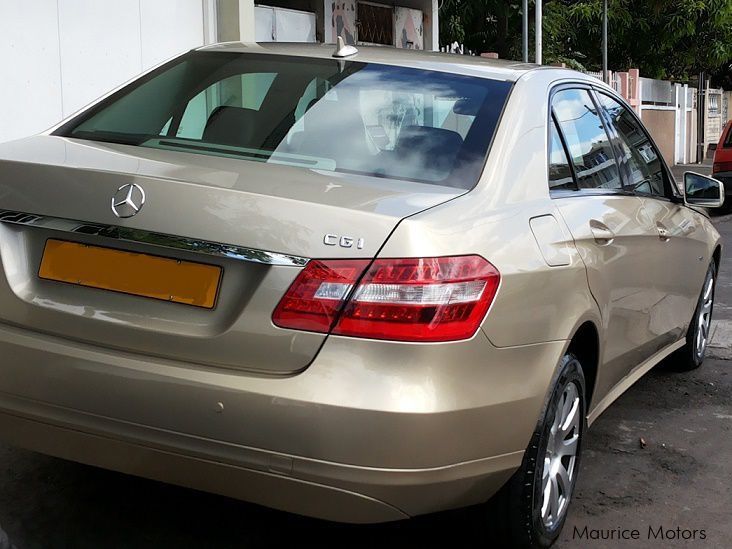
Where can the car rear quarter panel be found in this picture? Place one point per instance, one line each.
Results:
(535, 302)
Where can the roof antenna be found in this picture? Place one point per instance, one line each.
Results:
(342, 50)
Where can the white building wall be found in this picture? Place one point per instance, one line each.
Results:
(58, 55)
(283, 25)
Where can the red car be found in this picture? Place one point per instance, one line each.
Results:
(722, 168)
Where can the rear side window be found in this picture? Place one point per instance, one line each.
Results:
(728, 139)
(643, 160)
(343, 116)
(587, 140)
(560, 173)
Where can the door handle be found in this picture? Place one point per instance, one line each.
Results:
(601, 232)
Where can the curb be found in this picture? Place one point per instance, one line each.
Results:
(722, 218)
(720, 340)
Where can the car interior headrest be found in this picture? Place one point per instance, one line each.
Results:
(231, 126)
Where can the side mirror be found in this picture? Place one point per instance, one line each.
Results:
(700, 190)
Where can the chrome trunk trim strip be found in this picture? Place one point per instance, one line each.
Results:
(127, 234)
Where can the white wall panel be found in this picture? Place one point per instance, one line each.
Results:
(30, 91)
(263, 24)
(100, 48)
(169, 27)
(57, 56)
(294, 26)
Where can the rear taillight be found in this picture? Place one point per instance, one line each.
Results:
(432, 299)
(722, 167)
(317, 295)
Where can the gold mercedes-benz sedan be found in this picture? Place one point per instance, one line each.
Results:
(359, 285)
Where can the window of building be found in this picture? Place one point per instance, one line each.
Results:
(375, 24)
(714, 104)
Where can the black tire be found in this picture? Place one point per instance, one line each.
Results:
(726, 207)
(516, 511)
(5, 540)
(689, 357)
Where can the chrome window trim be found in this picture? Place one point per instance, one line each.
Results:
(162, 240)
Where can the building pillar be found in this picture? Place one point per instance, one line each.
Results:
(246, 20)
(210, 23)
(678, 124)
(634, 91)
(432, 27)
(235, 20)
(683, 106)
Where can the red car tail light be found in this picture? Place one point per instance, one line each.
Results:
(722, 167)
(428, 300)
(316, 297)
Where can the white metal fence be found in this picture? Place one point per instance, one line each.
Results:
(657, 92)
(614, 79)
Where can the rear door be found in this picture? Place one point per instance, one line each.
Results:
(608, 229)
(673, 233)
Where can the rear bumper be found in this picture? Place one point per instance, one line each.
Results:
(346, 440)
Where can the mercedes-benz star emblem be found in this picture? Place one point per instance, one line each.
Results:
(128, 200)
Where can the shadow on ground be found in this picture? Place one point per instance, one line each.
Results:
(684, 420)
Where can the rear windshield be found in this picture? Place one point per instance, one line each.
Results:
(323, 114)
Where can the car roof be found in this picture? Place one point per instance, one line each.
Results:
(498, 69)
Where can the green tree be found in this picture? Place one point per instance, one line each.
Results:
(482, 26)
(663, 38)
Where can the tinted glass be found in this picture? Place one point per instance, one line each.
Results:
(647, 174)
(323, 114)
(242, 91)
(560, 174)
(587, 140)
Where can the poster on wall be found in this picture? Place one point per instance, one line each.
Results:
(409, 26)
(343, 16)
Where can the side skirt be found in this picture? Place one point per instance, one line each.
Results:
(635, 374)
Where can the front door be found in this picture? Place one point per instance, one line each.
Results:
(608, 228)
(673, 233)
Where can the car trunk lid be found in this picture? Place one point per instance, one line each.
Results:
(223, 212)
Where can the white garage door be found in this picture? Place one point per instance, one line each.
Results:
(58, 55)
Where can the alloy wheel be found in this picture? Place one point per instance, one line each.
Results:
(561, 457)
(704, 320)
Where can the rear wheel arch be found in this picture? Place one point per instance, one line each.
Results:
(717, 256)
(585, 345)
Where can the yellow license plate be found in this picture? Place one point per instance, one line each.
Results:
(131, 273)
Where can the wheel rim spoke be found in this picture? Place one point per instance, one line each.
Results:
(560, 458)
(554, 499)
(571, 420)
(705, 318)
(569, 447)
(546, 493)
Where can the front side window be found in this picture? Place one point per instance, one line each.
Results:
(647, 174)
(587, 140)
(377, 120)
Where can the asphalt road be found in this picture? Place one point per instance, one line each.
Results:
(677, 480)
